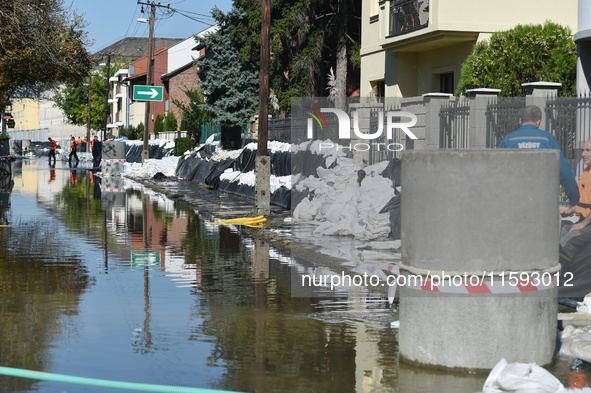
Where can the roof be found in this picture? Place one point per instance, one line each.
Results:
(140, 67)
(134, 48)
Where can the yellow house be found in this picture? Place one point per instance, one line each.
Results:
(413, 47)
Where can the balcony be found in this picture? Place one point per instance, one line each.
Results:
(408, 15)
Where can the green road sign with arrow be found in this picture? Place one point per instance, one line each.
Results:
(147, 93)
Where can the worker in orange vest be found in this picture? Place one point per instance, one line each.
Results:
(52, 147)
(73, 152)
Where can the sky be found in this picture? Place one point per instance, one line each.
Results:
(109, 21)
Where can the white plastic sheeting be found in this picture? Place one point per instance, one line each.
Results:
(524, 378)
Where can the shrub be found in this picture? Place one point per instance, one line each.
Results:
(526, 53)
(182, 145)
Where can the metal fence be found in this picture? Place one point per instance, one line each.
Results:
(569, 120)
(280, 130)
(502, 117)
(382, 148)
(209, 129)
(454, 120)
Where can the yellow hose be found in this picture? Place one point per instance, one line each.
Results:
(253, 222)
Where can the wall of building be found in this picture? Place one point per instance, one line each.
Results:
(159, 68)
(55, 121)
(409, 63)
(25, 113)
(177, 85)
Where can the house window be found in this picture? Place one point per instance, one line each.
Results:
(378, 89)
(446, 83)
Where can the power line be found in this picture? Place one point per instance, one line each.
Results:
(132, 20)
(194, 13)
(194, 19)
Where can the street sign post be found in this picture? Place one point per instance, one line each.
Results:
(148, 93)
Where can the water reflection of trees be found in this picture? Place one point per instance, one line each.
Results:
(40, 285)
(259, 323)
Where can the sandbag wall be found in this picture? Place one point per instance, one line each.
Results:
(307, 164)
(133, 152)
(200, 168)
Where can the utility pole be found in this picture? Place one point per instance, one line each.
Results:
(149, 82)
(262, 164)
(146, 150)
(88, 116)
(107, 95)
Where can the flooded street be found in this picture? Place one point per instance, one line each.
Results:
(143, 290)
(119, 283)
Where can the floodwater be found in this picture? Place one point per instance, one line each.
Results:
(113, 282)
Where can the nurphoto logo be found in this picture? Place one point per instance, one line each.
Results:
(379, 133)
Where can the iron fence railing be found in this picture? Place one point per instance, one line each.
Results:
(280, 130)
(454, 121)
(569, 120)
(382, 148)
(502, 117)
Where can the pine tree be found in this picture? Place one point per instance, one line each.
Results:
(230, 85)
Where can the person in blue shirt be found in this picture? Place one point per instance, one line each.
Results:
(529, 136)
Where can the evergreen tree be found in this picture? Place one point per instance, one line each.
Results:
(526, 53)
(170, 123)
(158, 124)
(193, 116)
(230, 84)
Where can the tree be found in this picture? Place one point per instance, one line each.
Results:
(170, 123)
(41, 45)
(73, 98)
(526, 53)
(130, 131)
(158, 124)
(308, 39)
(230, 85)
(192, 114)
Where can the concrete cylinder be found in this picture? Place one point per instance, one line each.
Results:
(485, 214)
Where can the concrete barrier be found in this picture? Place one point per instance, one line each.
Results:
(470, 214)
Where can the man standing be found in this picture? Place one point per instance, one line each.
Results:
(96, 147)
(52, 147)
(73, 152)
(575, 237)
(529, 136)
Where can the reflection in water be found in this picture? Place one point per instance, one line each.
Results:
(156, 293)
(41, 280)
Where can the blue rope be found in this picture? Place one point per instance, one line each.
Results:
(146, 387)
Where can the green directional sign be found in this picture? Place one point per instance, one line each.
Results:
(148, 93)
(145, 259)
